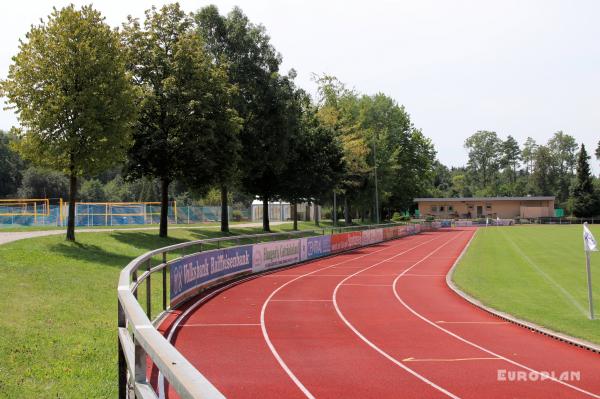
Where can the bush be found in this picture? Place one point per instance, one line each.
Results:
(429, 219)
(396, 217)
(236, 215)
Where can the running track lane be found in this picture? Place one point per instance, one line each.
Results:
(377, 322)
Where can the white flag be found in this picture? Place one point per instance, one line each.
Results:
(589, 242)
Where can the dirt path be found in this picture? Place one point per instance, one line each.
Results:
(6, 237)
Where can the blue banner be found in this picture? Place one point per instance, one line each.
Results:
(315, 247)
(195, 270)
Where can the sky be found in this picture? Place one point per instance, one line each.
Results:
(524, 68)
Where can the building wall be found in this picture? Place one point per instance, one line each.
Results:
(501, 209)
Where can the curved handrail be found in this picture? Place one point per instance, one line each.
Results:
(138, 339)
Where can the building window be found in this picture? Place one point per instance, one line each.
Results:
(441, 209)
(434, 208)
(488, 206)
(450, 208)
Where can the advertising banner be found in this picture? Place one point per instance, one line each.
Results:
(192, 271)
(390, 233)
(269, 255)
(463, 223)
(446, 223)
(345, 241)
(371, 236)
(315, 247)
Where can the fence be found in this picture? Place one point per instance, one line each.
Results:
(90, 214)
(197, 266)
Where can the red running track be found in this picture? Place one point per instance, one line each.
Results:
(378, 322)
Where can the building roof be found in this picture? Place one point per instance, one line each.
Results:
(471, 199)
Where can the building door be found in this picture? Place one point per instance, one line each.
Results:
(479, 211)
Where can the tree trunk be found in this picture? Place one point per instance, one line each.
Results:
(72, 204)
(316, 213)
(164, 208)
(347, 219)
(295, 214)
(307, 212)
(266, 214)
(224, 210)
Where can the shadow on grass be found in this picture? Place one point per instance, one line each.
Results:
(144, 241)
(90, 253)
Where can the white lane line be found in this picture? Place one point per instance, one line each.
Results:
(463, 359)
(471, 322)
(394, 287)
(281, 362)
(371, 344)
(300, 300)
(423, 275)
(221, 325)
(559, 288)
(369, 285)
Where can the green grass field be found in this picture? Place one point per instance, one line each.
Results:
(59, 301)
(536, 273)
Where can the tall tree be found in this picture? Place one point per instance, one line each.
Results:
(11, 166)
(586, 199)
(74, 100)
(174, 137)
(252, 65)
(598, 151)
(315, 165)
(484, 156)
(544, 175)
(511, 155)
(528, 154)
(563, 149)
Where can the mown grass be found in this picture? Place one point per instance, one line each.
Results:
(58, 330)
(536, 273)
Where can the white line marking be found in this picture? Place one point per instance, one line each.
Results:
(424, 275)
(300, 300)
(221, 325)
(283, 365)
(471, 322)
(549, 279)
(478, 346)
(412, 359)
(371, 344)
(369, 285)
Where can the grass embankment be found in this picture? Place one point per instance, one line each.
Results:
(536, 273)
(59, 302)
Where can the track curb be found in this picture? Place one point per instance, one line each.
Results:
(510, 318)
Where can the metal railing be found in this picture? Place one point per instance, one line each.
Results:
(138, 339)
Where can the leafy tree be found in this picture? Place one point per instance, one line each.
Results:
(511, 155)
(38, 182)
(182, 101)
(563, 149)
(528, 154)
(598, 151)
(74, 100)
(92, 190)
(252, 65)
(544, 174)
(315, 165)
(11, 166)
(586, 199)
(484, 156)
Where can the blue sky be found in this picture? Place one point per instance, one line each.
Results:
(525, 68)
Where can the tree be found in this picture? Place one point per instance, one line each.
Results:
(92, 191)
(586, 200)
(38, 182)
(484, 156)
(11, 166)
(181, 107)
(544, 175)
(598, 151)
(315, 165)
(563, 149)
(74, 100)
(261, 97)
(528, 154)
(511, 155)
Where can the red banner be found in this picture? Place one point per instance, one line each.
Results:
(345, 241)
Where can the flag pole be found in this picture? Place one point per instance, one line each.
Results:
(589, 281)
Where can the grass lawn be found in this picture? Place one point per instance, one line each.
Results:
(59, 302)
(536, 273)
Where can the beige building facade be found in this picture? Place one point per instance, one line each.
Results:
(494, 207)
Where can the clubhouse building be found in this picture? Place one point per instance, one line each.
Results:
(477, 207)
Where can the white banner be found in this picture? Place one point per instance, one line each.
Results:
(371, 236)
(274, 254)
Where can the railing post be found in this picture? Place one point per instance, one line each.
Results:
(122, 364)
(140, 362)
(134, 278)
(164, 281)
(149, 291)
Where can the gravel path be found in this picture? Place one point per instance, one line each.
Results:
(6, 237)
